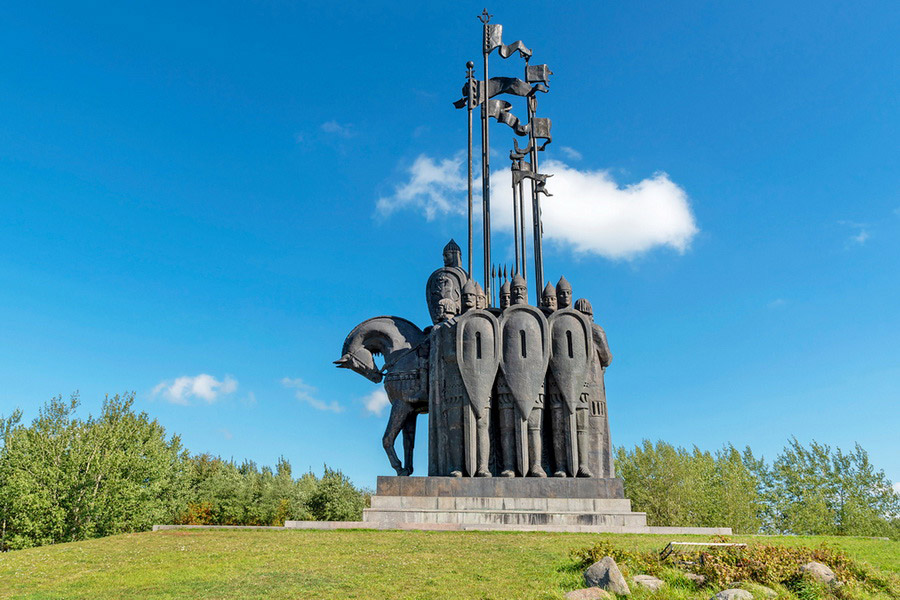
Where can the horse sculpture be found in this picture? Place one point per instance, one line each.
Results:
(405, 373)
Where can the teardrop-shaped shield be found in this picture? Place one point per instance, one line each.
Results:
(525, 335)
(478, 355)
(571, 338)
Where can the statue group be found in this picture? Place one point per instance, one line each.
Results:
(513, 390)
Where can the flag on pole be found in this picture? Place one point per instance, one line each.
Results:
(538, 74)
(499, 109)
(499, 85)
(493, 38)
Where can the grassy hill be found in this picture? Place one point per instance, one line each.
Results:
(354, 564)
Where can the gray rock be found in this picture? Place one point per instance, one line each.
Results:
(818, 571)
(697, 579)
(591, 593)
(648, 581)
(733, 594)
(605, 574)
(757, 589)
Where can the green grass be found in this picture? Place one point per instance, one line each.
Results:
(346, 564)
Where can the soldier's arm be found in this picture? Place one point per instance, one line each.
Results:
(602, 346)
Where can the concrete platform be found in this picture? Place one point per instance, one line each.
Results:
(334, 525)
(507, 504)
(501, 487)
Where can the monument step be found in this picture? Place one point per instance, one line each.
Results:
(394, 517)
(502, 487)
(495, 527)
(599, 505)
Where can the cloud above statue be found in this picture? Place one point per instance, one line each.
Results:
(202, 387)
(589, 212)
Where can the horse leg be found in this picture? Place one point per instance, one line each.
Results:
(409, 441)
(399, 412)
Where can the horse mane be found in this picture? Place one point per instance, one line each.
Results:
(404, 332)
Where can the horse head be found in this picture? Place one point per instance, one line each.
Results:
(360, 360)
(377, 336)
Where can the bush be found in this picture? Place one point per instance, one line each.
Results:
(335, 499)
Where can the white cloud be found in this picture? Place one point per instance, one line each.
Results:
(336, 128)
(377, 401)
(204, 387)
(434, 188)
(305, 393)
(226, 433)
(589, 211)
(777, 303)
(571, 153)
(897, 487)
(861, 235)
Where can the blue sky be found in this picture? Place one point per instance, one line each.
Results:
(220, 191)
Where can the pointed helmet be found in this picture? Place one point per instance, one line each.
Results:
(582, 305)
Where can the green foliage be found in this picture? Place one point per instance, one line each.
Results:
(632, 562)
(335, 499)
(819, 491)
(65, 479)
(219, 492)
(748, 567)
(806, 491)
(677, 487)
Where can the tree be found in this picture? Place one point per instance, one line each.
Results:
(677, 487)
(335, 498)
(819, 491)
(66, 479)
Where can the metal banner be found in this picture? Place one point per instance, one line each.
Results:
(571, 341)
(525, 335)
(478, 355)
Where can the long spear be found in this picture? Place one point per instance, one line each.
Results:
(485, 153)
(470, 105)
(521, 225)
(515, 201)
(531, 101)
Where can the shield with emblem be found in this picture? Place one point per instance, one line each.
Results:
(571, 339)
(525, 335)
(478, 355)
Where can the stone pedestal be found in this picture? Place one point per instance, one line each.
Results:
(519, 504)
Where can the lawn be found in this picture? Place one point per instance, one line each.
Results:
(343, 564)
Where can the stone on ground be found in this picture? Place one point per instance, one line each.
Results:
(648, 581)
(818, 571)
(733, 594)
(757, 589)
(605, 574)
(697, 579)
(591, 593)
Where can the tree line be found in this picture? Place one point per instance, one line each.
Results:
(806, 490)
(63, 478)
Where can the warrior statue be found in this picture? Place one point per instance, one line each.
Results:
(595, 397)
(470, 296)
(446, 282)
(548, 297)
(525, 355)
(477, 354)
(448, 391)
(480, 296)
(563, 293)
(505, 293)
